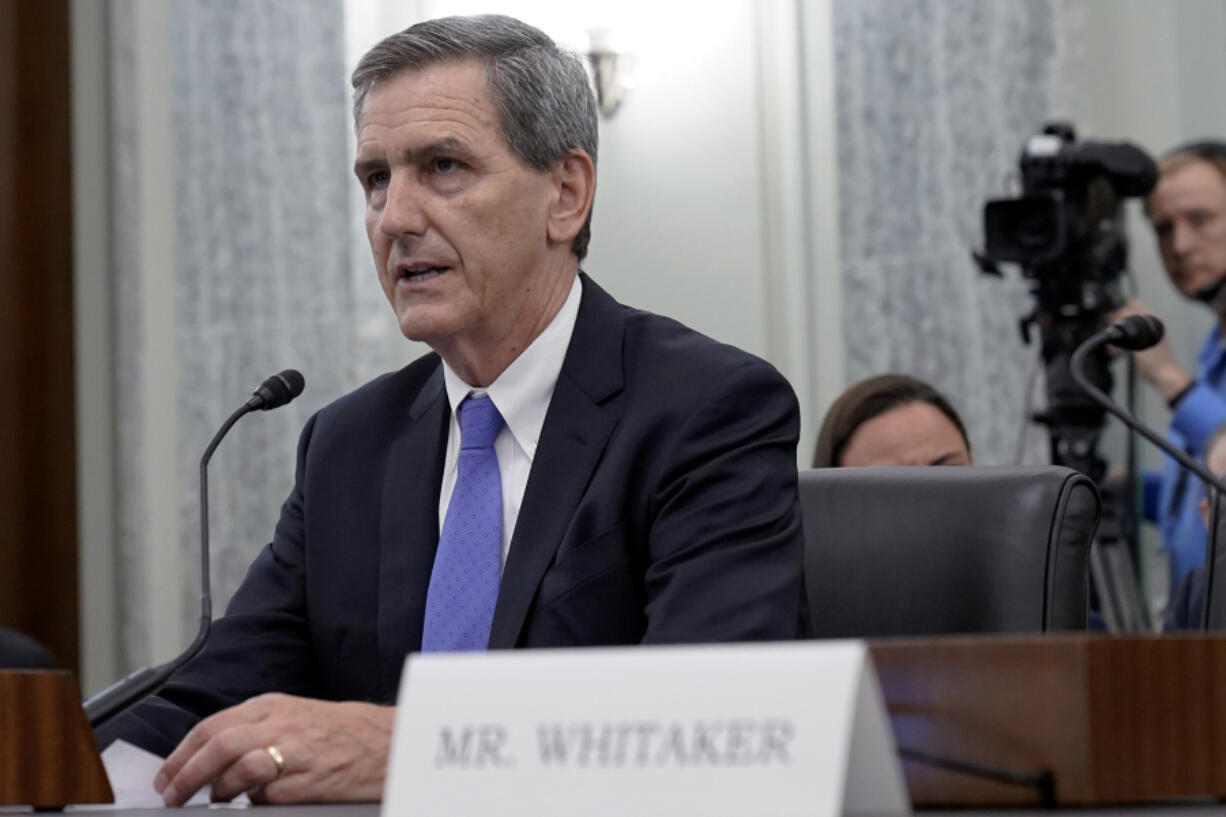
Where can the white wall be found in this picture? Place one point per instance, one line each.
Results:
(94, 360)
(124, 240)
(1153, 76)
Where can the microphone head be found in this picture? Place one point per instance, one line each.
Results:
(1136, 332)
(295, 382)
(278, 390)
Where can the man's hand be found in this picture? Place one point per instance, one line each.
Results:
(1156, 364)
(330, 751)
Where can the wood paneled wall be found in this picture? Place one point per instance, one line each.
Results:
(38, 536)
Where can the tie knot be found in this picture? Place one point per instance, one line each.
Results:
(480, 422)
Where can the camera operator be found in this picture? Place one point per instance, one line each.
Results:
(1187, 210)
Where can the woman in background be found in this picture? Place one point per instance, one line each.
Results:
(891, 419)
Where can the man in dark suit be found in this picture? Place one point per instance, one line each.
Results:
(562, 471)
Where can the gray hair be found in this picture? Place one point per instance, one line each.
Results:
(544, 100)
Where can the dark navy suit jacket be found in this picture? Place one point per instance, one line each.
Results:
(661, 507)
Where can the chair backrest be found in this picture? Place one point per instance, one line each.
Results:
(19, 651)
(936, 550)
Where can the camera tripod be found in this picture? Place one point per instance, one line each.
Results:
(1075, 426)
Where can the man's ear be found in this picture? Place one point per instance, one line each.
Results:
(574, 181)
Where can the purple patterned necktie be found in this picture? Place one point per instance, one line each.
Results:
(468, 563)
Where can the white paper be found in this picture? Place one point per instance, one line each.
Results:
(131, 771)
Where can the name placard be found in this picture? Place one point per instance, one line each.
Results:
(769, 730)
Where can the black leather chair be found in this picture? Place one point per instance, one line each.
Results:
(926, 551)
(18, 651)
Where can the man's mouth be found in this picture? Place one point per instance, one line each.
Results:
(419, 272)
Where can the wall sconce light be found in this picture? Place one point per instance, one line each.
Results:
(609, 71)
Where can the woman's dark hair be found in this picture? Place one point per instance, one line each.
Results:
(871, 398)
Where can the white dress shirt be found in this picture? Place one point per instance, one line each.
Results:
(521, 394)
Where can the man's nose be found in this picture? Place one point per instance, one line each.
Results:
(1183, 237)
(402, 209)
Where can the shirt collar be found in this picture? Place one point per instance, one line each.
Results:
(523, 391)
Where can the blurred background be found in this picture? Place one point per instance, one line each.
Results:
(802, 178)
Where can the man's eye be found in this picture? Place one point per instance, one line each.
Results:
(445, 165)
(378, 178)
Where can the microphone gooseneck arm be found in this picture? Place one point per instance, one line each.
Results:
(145, 681)
(117, 697)
(1077, 364)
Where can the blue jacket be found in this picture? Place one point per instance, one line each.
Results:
(1173, 498)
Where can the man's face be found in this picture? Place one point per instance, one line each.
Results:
(456, 222)
(1188, 213)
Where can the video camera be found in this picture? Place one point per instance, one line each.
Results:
(1068, 210)
(1066, 231)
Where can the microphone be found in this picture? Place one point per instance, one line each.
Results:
(1138, 332)
(274, 392)
(279, 389)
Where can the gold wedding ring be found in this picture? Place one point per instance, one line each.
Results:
(277, 758)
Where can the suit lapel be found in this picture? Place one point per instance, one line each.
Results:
(576, 430)
(409, 528)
